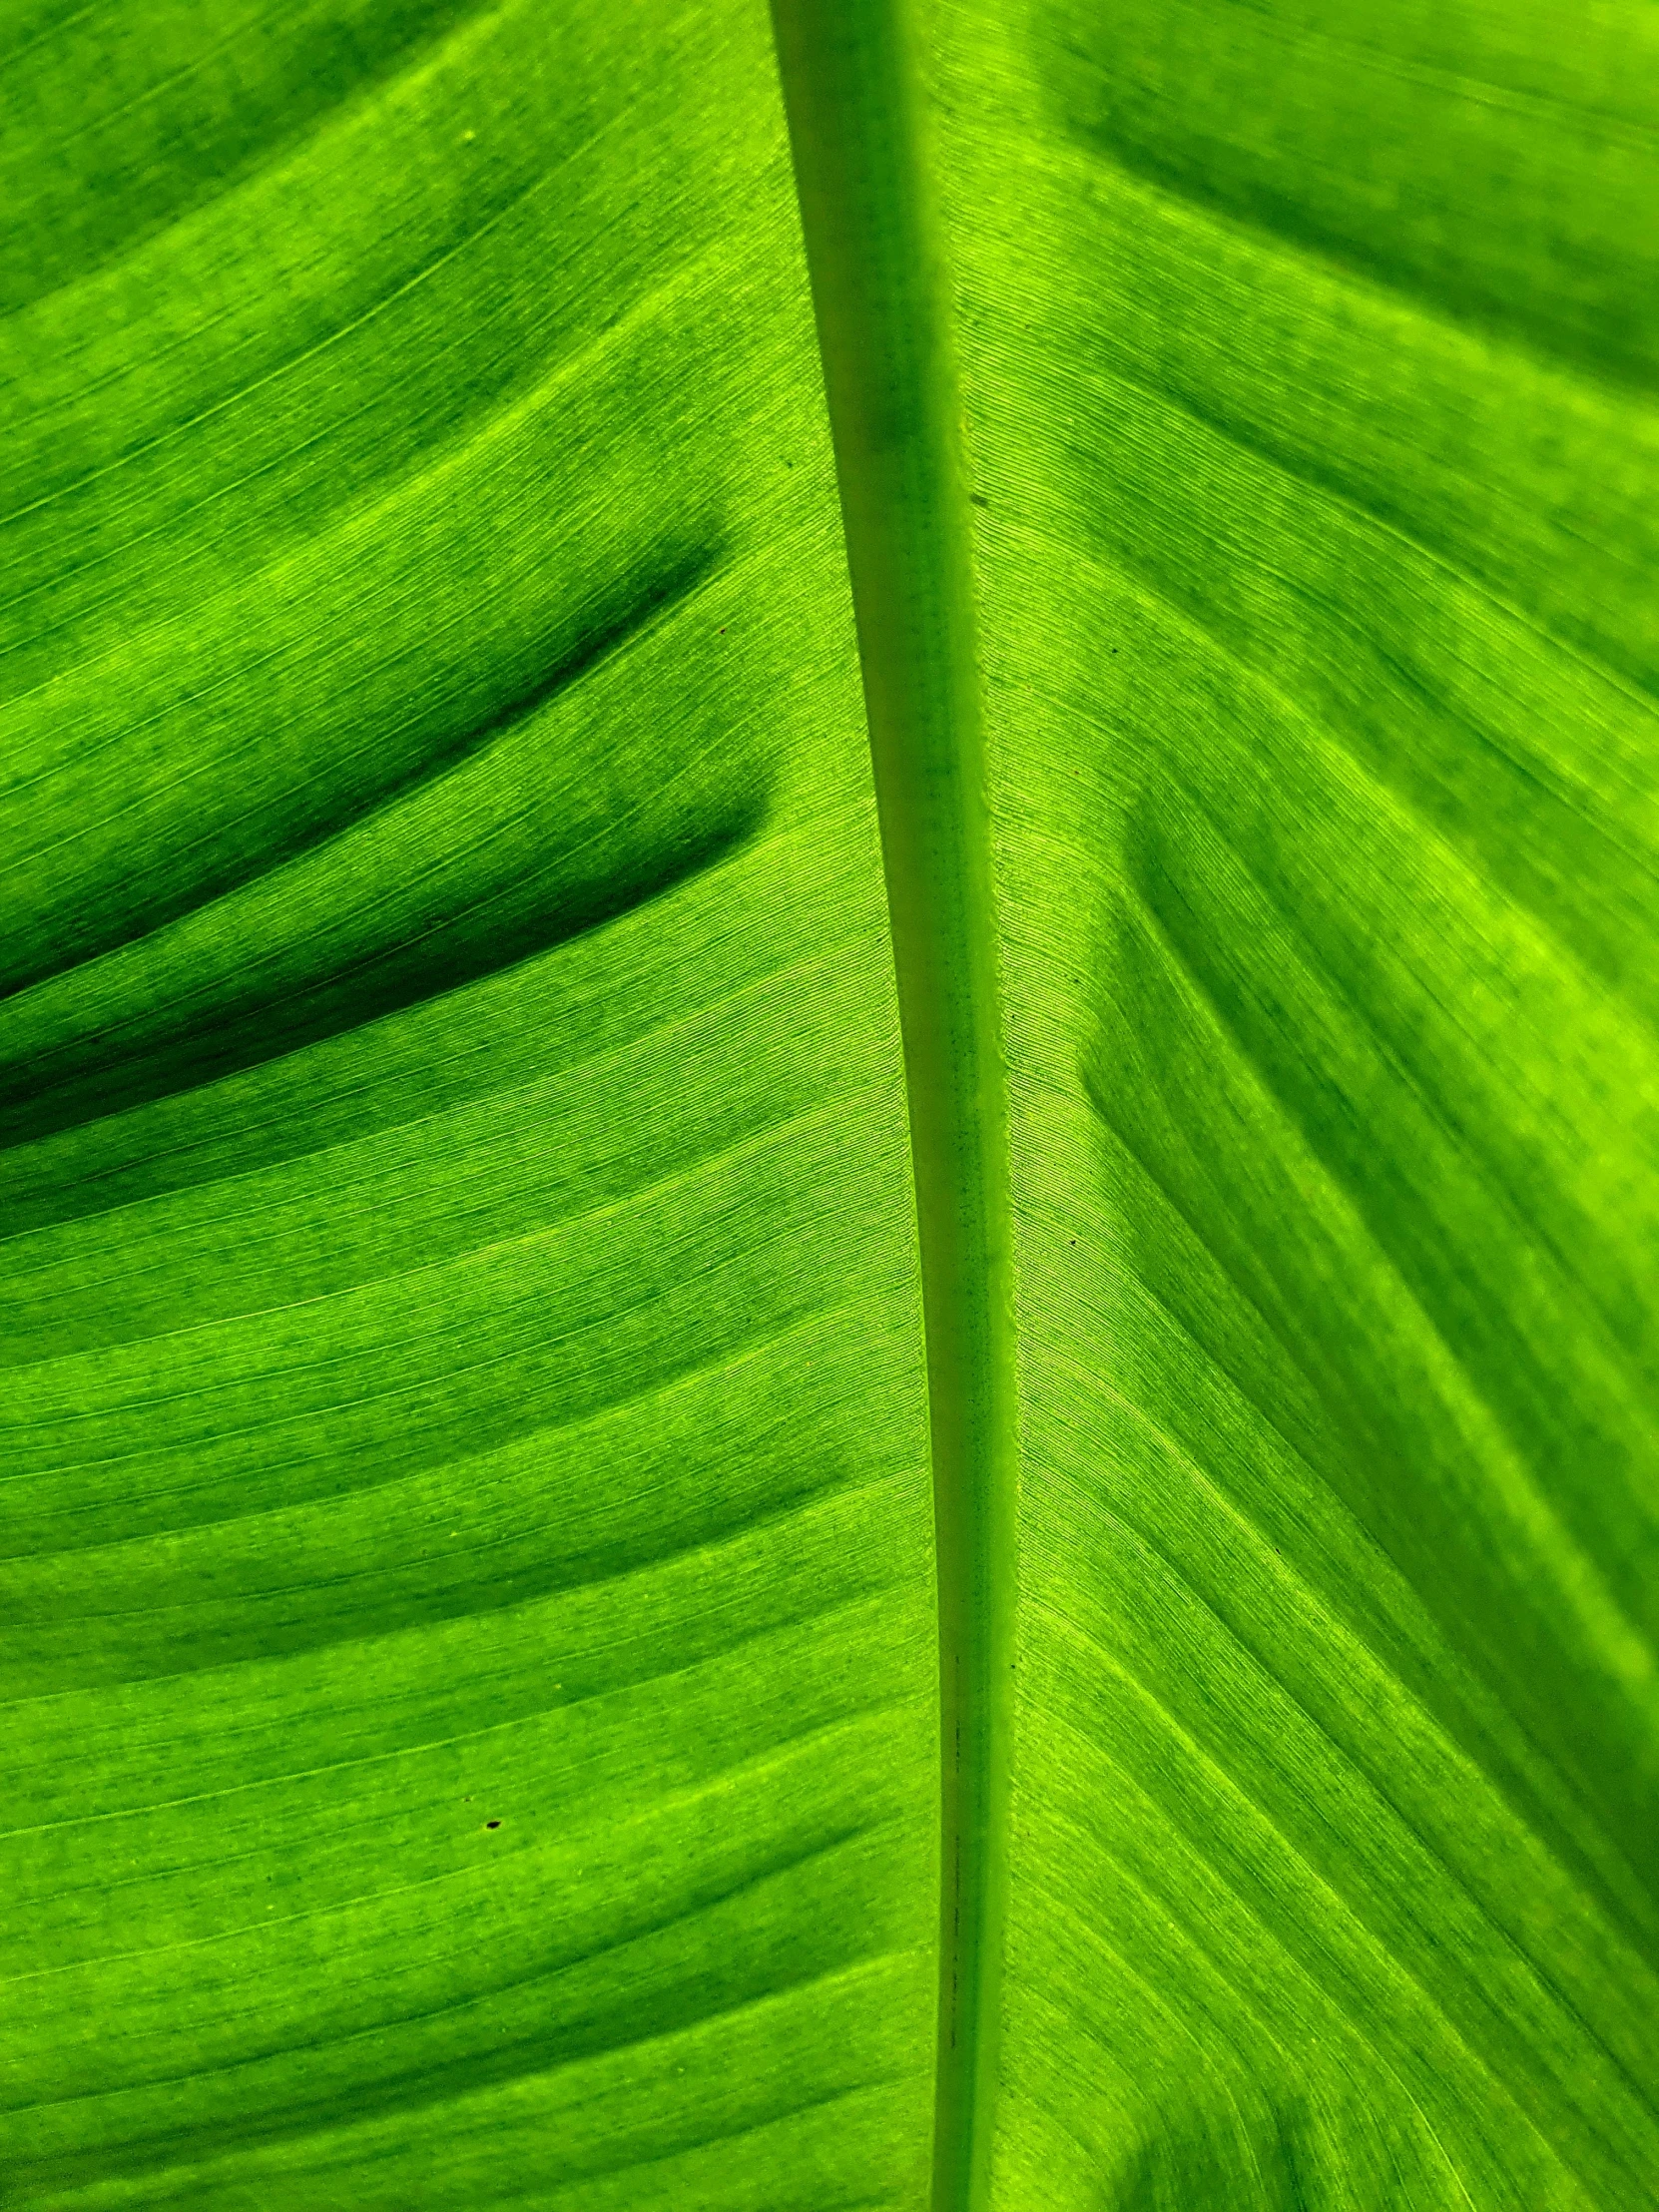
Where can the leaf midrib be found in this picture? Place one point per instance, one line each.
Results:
(874, 247)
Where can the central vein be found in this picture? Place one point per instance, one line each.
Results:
(857, 117)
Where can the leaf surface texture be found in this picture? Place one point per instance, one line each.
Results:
(608, 1308)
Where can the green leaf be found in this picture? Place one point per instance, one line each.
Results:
(1309, 358)
(830, 1106)
(470, 1584)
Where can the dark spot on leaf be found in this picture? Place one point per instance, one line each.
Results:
(492, 1824)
